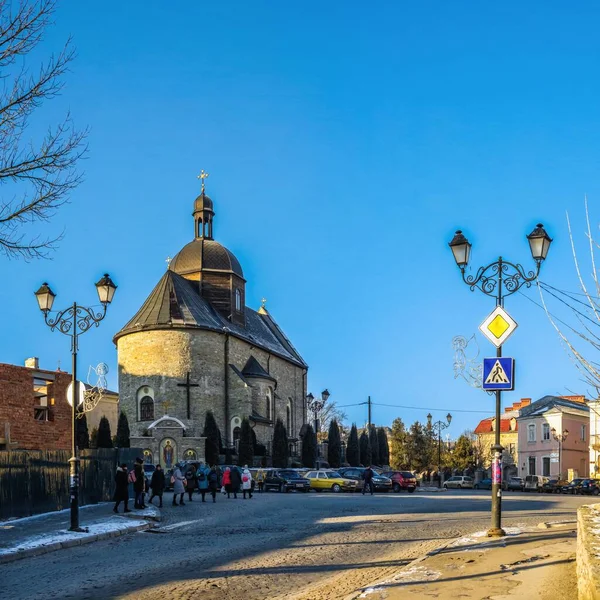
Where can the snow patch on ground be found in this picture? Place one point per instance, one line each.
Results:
(480, 538)
(414, 574)
(65, 511)
(110, 525)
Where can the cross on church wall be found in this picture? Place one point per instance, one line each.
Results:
(166, 404)
(188, 387)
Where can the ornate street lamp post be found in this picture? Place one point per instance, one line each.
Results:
(560, 438)
(498, 280)
(317, 405)
(73, 321)
(438, 427)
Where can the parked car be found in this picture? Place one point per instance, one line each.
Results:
(553, 486)
(285, 480)
(459, 482)
(571, 487)
(330, 480)
(401, 480)
(486, 484)
(380, 482)
(515, 484)
(588, 486)
(534, 483)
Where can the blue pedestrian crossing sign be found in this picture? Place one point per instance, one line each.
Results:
(498, 373)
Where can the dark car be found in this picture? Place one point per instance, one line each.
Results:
(552, 486)
(402, 480)
(571, 487)
(588, 486)
(515, 483)
(380, 482)
(486, 484)
(285, 480)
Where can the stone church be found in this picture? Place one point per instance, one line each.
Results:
(195, 346)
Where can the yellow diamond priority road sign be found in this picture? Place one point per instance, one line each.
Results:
(498, 326)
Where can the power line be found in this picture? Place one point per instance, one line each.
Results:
(458, 410)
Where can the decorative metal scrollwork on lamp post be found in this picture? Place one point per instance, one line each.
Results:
(438, 427)
(74, 321)
(498, 280)
(317, 405)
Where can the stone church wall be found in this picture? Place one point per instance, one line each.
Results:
(161, 360)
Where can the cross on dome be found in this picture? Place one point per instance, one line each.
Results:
(203, 175)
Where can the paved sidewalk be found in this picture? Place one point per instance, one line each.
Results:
(530, 564)
(39, 534)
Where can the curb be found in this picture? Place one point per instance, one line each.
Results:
(85, 539)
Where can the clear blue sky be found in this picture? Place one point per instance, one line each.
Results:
(346, 142)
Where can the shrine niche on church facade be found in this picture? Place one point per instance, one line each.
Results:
(196, 346)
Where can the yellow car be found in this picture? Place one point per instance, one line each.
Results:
(329, 480)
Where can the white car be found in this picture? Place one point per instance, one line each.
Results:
(459, 482)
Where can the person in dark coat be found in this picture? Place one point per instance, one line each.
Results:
(139, 484)
(236, 481)
(121, 491)
(368, 477)
(157, 483)
(191, 481)
(213, 482)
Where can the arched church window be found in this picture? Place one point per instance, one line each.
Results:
(269, 405)
(145, 394)
(238, 300)
(146, 409)
(288, 419)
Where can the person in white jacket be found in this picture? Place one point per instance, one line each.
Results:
(246, 482)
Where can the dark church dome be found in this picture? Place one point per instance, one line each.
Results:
(202, 254)
(203, 202)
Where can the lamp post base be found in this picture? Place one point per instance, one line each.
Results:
(496, 532)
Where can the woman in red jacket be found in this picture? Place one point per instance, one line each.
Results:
(227, 481)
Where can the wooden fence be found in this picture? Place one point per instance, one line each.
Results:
(37, 481)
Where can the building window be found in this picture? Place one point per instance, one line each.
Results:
(583, 433)
(146, 409)
(546, 466)
(532, 465)
(531, 435)
(269, 405)
(288, 419)
(545, 432)
(238, 300)
(43, 395)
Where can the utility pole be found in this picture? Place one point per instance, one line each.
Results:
(369, 404)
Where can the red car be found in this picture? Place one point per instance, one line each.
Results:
(402, 480)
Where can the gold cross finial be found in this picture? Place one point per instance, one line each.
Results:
(203, 175)
(263, 303)
(166, 404)
(168, 261)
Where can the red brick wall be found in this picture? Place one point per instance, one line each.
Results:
(17, 408)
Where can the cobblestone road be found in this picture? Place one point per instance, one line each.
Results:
(301, 546)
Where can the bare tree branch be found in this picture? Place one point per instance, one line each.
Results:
(43, 172)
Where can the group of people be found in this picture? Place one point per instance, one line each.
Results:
(137, 477)
(186, 478)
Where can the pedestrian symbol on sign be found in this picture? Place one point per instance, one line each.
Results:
(497, 374)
